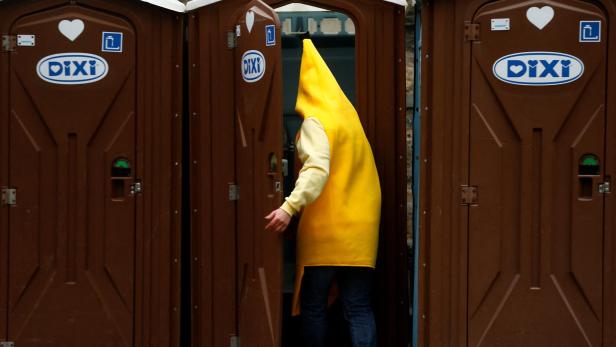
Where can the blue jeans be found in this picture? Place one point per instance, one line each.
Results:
(355, 284)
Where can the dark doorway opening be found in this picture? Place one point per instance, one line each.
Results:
(333, 33)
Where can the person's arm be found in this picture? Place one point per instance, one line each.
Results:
(313, 150)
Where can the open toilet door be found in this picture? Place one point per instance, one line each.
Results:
(236, 155)
(258, 116)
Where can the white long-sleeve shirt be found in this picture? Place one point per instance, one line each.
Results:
(313, 150)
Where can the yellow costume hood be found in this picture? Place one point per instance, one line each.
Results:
(318, 90)
(340, 228)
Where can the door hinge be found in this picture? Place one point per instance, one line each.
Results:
(9, 43)
(285, 167)
(605, 187)
(232, 39)
(136, 188)
(234, 192)
(234, 341)
(9, 196)
(7, 344)
(469, 195)
(471, 31)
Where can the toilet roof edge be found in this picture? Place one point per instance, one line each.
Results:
(178, 6)
(195, 4)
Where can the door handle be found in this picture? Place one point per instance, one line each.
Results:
(136, 188)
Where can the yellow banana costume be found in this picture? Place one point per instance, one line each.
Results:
(340, 227)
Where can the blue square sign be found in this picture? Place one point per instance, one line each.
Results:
(270, 35)
(112, 42)
(590, 31)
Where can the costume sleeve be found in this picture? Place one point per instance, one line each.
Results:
(313, 150)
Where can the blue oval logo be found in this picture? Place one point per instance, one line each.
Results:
(538, 68)
(253, 66)
(72, 68)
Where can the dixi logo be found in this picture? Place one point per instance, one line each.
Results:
(253, 66)
(72, 68)
(538, 68)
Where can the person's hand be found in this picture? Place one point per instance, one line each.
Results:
(278, 220)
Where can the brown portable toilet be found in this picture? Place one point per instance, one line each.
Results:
(236, 164)
(90, 105)
(516, 217)
(91, 160)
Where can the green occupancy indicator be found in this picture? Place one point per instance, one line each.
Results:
(590, 160)
(121, 164)
(589, 165)
(120, 168)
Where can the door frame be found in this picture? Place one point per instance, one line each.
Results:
(381, 105)
(609, 229)
(4, 182)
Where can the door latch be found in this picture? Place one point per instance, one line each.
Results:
(9, 196)
(7, 344)
(605, 187)
(136, 188)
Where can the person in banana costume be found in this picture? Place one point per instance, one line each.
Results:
(339, 195)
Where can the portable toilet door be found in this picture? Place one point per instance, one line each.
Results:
(89, 225)
(236, 167)
(518, 166)
(236, 150)
(546, 141)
